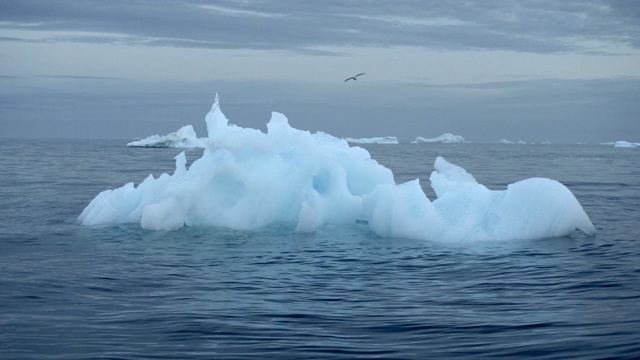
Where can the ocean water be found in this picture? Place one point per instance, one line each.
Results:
(120, 292)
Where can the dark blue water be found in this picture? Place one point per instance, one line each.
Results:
(75, 292)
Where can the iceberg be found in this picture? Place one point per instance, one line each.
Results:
(185, 137)
(247, 179)
(625, 144)
(505, 141)
(375, 140)
(446, 138)
(465, 210)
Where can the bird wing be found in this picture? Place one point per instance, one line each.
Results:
(353, 77)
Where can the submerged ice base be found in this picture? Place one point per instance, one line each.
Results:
(247, 179)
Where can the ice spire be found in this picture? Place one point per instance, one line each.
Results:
(216, 121)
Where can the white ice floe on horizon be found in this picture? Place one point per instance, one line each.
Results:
(519, 142)
(185, 137)
(374, 140)
(446, 138)
(625, 144)
(248, 179)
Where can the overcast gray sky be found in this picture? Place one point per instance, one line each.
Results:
(559, 71)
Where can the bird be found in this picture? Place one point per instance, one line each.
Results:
(353, 77)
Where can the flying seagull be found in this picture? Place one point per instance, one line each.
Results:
(353, 77)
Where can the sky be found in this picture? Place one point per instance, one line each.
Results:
(560, 71)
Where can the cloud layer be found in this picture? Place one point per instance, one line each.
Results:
(533, 70)
(531, 26)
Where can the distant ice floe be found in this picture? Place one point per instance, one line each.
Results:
(185, 137)
(446, 138)
(248, 179)
(374, 140)
(625, 144)
(519, 142)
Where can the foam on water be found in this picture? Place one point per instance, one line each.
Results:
(247, 179)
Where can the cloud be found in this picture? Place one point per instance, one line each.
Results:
(550, 26)
(482, 69)
(76, 77)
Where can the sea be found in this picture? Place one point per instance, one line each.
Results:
(69, 291)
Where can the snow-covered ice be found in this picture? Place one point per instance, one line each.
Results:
(446, 138)
(247, 179)
(374, 140)
(185, 137)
